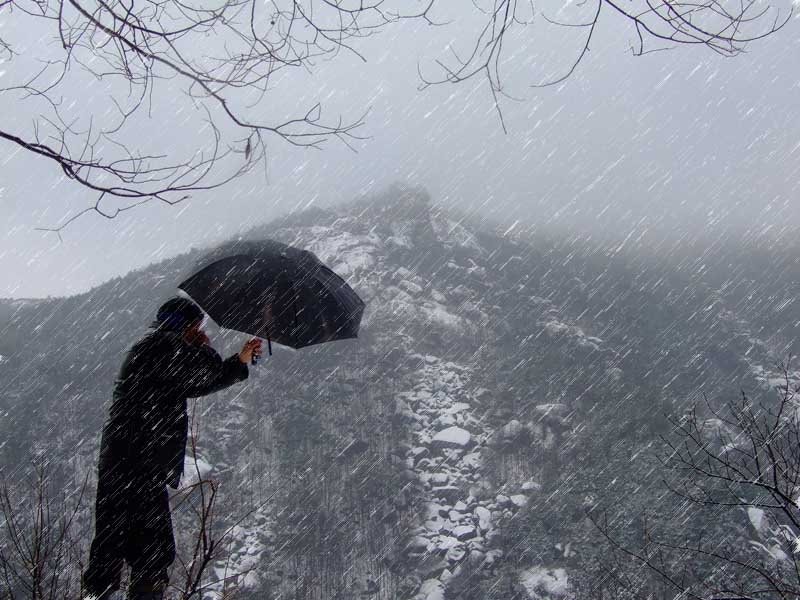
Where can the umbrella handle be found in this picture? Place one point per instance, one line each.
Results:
(254, 358)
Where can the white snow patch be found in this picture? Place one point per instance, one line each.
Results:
(457, 407)
(756, 516)
(542, 583)
(250, 580)
(556, 327)
(555, 408)
(449, 231)
(454, 436)
(774, 551)
(438, 313)
(410, 287)
(345, 252)
(432, 589)
(245, 549)
(399, 240)
(194, 472)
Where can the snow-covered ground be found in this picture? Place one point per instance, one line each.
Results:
(459, 517)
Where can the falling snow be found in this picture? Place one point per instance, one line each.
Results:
(574, 376)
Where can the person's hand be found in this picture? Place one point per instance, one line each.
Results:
(252, 347)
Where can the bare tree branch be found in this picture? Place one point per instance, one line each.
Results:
(221, 60)
(725, 27)
(220, 56)
(745, 458)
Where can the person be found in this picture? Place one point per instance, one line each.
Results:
(143, 447)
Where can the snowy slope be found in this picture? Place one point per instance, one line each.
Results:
(452, 450)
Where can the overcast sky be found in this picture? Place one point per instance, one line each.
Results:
(669, 143)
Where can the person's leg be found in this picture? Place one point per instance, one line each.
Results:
(151, 545)
(102, 574)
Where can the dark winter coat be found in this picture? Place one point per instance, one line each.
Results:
(146, 431)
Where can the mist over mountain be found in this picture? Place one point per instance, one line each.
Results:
(505, 383)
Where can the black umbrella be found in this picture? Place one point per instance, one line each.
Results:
(275, 291)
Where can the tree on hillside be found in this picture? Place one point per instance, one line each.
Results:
(44, 525)
(40, 544)
(87, 78)
(736, 475)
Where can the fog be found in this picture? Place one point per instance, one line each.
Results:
(672, 145)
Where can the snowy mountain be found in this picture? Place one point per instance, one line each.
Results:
(502, 386)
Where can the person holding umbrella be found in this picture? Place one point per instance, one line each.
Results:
(143, 447)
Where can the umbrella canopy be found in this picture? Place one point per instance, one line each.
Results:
(275, 291)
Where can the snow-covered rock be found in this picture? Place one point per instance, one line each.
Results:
(493, 556)
(512, 430)
(250, 580)
(476, 557)
(519, 500)
(446, 542)
(433, 511)
(440, 478)
(553, 414)
(503, 501)
(472, 461)
(449, 493)
(484, 518)
(531, 486)
(445, 420)
(480, 491)
(455, 554)
(403, 273)
(418, 544)
(419, 452)
(555, 328)
(425, 464)
(452, 232)
(345, 252)
(465, 532)
(457, 407)
(433, 525)
(542, 583)
(452, 437)
(456, 516)
(431, 589)
(554, 409)
(439, 315)
(410, 287)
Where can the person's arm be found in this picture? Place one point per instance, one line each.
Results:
(203, 372)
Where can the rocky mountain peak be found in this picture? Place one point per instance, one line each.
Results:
(495, 393)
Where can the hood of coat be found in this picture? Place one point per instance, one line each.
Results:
(178, 315)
